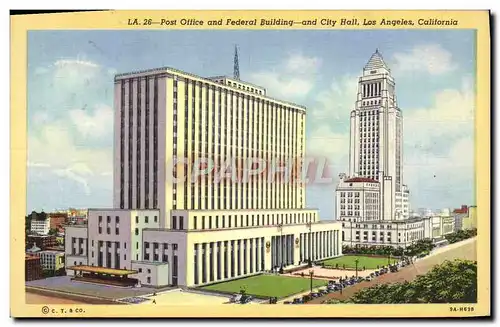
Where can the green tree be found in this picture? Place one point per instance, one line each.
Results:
(53, 231)
(449, 282)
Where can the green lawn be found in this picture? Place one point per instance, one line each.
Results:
(364, 261)
(267, 285)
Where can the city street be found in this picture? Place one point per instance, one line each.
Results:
(461, 250)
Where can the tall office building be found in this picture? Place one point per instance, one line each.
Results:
(176, 226)
(164, 117)
(373, 193)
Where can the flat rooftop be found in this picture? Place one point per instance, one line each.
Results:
(64, 284)
(102, 270)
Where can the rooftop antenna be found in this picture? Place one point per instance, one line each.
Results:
(236, 71)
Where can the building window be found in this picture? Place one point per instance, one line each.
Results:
(136, 219)
(156, 219)
(181, 222)
(174, 222)
(140, 270)
(137, 231)
(146, 219)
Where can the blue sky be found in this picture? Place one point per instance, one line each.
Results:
(70, 87)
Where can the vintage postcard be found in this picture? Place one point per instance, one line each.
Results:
(250, 164)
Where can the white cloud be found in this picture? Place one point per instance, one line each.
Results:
(94, 124)
(74, 63)
(430, 58)
(37, 164)
(337, 101)
(450, 116)
(53, 147)
(301, 64)
(292, 80)
(323, 142)
(439, 148)
(68, 173)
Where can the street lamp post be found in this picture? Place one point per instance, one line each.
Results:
(350, 226)
(280, 227)
(356, 262)
(309, 262)
(311, 274)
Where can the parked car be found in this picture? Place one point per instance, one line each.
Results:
(306, 298)
(297, 301)
(315, 294)
(236, 298)
(323, 291)
(245, 299)
(368, 278)
(377, 273)
(332, 288)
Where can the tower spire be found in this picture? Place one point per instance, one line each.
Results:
(236, 71)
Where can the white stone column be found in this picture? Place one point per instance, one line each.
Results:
(207, 262)
(222, 260)
(240, 258)
(313, 245)
(198, 263)
(215, 256)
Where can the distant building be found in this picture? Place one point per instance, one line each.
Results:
(51, 260)
(372, 200)
(32, 267)
(33, 250)
(42, 241)
(40, 226)
(459, 215)
(463, 209)
(441, 224)
(57, 220)
(55, 248)
(470, 222)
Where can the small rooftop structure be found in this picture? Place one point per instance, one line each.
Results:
(376, 62)
(360, 180)
(102, 270)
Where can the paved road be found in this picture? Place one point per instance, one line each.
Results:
(462, 250)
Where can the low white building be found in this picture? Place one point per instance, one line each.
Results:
(40, 226)
(202, 247)
(358, 198)
(383, 233)
(51, 260)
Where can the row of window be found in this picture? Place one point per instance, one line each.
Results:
(371, 103)
(250, 220)
(126, 162)
(231, 102)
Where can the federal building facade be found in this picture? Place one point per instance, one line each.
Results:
(174, 226)
(372, 200)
